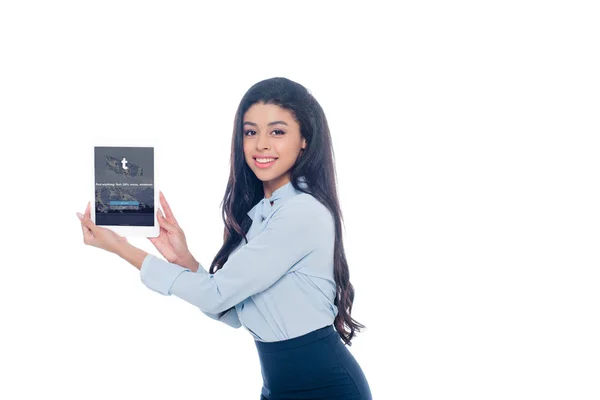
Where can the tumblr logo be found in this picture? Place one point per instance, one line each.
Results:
(123, 162)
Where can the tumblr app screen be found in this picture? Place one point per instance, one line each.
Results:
(124, 194)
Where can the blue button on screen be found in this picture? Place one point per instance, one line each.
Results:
(124, 203)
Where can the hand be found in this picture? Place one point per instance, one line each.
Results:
(97, 236)
(171, 242)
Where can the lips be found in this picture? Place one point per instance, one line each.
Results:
(266, 162)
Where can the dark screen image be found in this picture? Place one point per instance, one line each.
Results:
(124, 194)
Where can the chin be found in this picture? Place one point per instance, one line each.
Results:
(266, 176)
(270, 174)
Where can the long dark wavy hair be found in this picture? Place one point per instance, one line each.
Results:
(315, 163)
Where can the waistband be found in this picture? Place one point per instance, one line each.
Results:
(268, 347)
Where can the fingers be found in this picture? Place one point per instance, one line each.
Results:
(168, 213)
(86, 225)
(88, 236)
(89, 224)
(84, 229)
(164, 223)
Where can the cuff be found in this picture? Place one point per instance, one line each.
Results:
(158, 275)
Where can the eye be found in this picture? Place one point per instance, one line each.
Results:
(278, 132)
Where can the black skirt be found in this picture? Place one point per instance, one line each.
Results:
(313, 366)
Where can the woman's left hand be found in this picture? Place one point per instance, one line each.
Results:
(97, 236)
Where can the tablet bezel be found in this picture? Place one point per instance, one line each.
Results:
(128, 231)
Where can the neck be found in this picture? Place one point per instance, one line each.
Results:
(271, 186)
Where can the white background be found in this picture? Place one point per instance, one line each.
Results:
(465, 137)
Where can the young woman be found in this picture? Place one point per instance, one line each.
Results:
(282, 270)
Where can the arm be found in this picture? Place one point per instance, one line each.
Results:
(293, 231)
(132, 254)
(228, 317)
(137, 256)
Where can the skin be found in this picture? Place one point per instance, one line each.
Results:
(269, 130)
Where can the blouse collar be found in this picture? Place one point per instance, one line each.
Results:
(263, 208)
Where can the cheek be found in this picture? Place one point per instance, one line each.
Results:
(289, 150)
(247, 150)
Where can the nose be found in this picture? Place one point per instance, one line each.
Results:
(262, 141)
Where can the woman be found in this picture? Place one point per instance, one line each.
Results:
(282, 270)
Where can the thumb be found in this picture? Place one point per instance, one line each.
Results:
(88, 223)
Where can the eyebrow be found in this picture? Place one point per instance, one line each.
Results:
(269, 124)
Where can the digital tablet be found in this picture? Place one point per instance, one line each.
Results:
(125, 193)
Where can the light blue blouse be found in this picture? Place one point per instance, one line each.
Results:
(279, 285)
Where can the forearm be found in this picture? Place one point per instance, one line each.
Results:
(136, 257)
(132, 254)
(188, 262)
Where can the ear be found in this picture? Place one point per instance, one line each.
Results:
(304, 143)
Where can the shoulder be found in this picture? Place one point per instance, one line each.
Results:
(303, 209)
(303, 221)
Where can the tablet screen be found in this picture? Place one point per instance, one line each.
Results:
(124, 193)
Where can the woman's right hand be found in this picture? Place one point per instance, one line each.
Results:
(171, 242)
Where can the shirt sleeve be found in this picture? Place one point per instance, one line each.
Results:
(293, 231)
(228, 317)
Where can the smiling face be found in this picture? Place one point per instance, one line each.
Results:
(272, 143)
